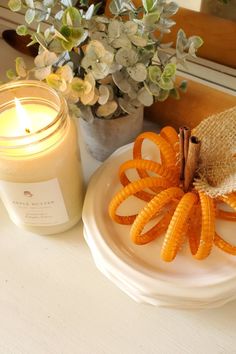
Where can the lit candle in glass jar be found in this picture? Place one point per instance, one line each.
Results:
(40, 167)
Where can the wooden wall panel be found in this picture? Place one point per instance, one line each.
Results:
(197, 103)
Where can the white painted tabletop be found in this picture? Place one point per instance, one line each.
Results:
(53, 300)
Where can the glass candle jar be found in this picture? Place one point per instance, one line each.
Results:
(40, 166)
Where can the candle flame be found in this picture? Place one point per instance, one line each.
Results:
(24, 120)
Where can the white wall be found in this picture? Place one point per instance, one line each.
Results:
(189, 4)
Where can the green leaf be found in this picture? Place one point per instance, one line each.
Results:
(166, 83)
(138, 72)
(130, 28)
(169, 71)
(68, 45)
(148, 5)
(126, 105)
(145, 97)
(181, 42)
(174, 93)
(97, 7)
(104, 94)
(151, 19)
(56, 82)
(11, 74)
(21, 67)
(126, 57)
(77, 33)
(32, 42)
(49, 3)
(29, 16)
(14, 5)
(163, 95)
(41, 12)
(65, 31)
(183, 86)
(42, 73)
(66, 3)
(58, 16)
(29, 3)
(56, 46)
(71, 17)
(59, 35)
(45, 58)
(195, 41)
(40, 39)
(107, 109)
(154, 73)
(138, 41)
(89, 12)
(170, 9)
(121, 81)
(116, 6)
(22, 30)
(122, 42)
(114, 29)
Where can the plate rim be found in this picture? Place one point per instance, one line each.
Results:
(106, 251)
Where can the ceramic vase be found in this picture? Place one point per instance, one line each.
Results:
(103, 136)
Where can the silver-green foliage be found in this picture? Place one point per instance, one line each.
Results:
(107, 66)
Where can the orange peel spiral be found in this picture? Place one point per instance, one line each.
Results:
(180, 215)
(127, 191)
(152, 208)
(175, 232)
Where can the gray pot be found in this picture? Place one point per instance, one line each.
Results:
(103, 136)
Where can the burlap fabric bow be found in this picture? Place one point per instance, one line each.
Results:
(217, 165)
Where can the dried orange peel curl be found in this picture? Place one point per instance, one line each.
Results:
(225, 246)
(230, 200)
(170, 135)
(167, 152)
(201, 234)
(179, 214)
(175, 232)
(167, 147)
(147, 165)
(146, 214)
(225, 215)
(207, 231)
(132, 189)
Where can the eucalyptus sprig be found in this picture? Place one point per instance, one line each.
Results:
(107, 66)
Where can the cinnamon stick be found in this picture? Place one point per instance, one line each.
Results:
(192, 161)
(187, 134)
(181, 152)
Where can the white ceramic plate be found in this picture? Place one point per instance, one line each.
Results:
(140, 266)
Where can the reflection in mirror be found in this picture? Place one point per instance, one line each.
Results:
(221, 8)
(215, 22)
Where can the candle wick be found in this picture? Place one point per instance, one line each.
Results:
(27, 130)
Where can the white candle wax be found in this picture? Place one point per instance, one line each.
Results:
(40, 181)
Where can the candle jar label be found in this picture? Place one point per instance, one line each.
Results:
(37, 204)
